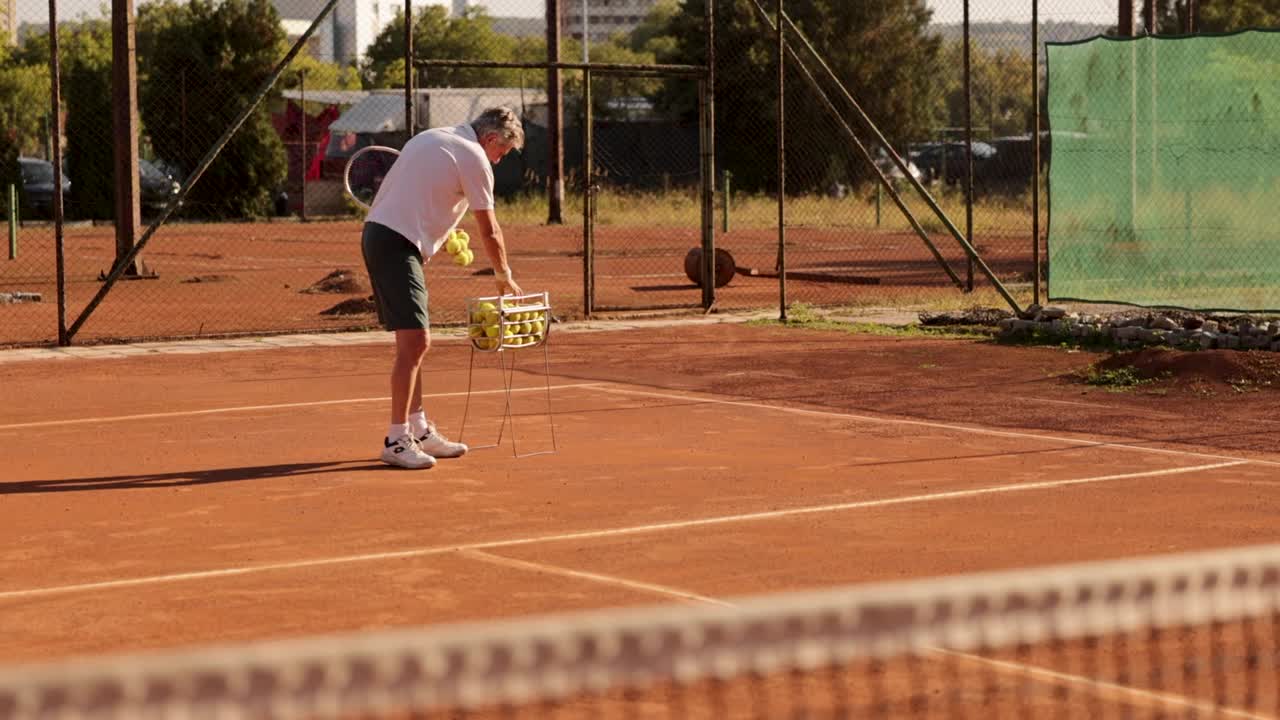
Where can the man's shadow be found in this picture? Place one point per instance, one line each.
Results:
(179, 479)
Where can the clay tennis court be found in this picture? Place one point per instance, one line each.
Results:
(222, 279)
(172, 500)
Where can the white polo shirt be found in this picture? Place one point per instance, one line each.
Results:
(439, 175)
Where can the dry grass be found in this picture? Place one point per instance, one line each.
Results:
(680, 208)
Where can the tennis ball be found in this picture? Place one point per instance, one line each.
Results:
(463, 258)
(452, 246)
(526, 327)
(486, 306)
(486, 344)
(536, 326)
(475, 331)
(509, 331)
(462, 236)
(491, 331)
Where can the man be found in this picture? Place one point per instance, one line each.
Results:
(439, 174)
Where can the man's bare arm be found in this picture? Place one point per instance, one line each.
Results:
(495, 247)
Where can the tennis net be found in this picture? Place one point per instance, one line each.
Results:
(1194, 635)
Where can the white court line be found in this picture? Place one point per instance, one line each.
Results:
(279, 406)
(601, 387)
(1107, 690)
(1102, 689)
(590, 534)
(594, 577)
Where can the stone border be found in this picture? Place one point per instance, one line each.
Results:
(1135, 329)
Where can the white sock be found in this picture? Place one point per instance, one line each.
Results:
(418, 423)
(396, 431)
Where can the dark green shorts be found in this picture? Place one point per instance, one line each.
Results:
(395, 272)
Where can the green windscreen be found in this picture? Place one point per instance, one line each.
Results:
(1164, 181)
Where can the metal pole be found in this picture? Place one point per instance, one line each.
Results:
(780, 60)
(13, 221)
(1189, 21)
(705, 219)
(302, 100)
(586, 33)
(124, 92)
(555, 119)
(1125, 24)
(588, 194)
(1149, 16)
(968, 144)
(409, 115)
(727, 198)
(55, 101)
(707, 100)
(1035, 154)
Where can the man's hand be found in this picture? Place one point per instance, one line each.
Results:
(506, 285)
(491, 234)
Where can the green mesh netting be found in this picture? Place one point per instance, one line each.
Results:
(1164, 182)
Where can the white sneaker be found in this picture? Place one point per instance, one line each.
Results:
(405, 453)
(439, 445)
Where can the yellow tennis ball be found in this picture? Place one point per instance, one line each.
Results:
(486, 306)
(510, 330)
(491, 331)
(462, 236)
(486, 344)
(526, 327)
(452, 246)
(475, 331)
(536, 327)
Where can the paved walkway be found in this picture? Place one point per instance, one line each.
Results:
(884, 316)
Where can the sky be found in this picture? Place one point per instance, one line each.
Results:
(945, 11)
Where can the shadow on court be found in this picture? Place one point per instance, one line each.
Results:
(193, 477)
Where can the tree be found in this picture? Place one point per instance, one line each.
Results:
(1000, 85)
(1218, 15)
(320, 75)
(86, 89)
(879, 48)
(437, 35)
(26, 116)
(200, 64)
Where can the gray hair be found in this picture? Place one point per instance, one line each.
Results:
(504, 122)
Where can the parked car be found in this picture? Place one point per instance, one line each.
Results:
(891, 169)
(945, 161)
(155, 187)
(37, 186)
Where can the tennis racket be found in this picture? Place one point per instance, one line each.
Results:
(365, 171)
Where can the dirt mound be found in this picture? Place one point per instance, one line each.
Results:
(1221, 367)
(354, 306)
(342, 282)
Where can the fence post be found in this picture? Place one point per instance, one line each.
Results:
(13, 222)
(588, 197)
(728, 198)
(780, 59)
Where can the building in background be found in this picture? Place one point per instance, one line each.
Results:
(604, 18)
(345, 35)
(8, 22)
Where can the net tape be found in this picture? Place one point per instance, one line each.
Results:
(474, 665)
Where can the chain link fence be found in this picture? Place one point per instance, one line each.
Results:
(266, 240)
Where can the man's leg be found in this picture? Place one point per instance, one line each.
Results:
(395, 272)
(406, 383)
(429, 438)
